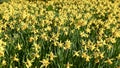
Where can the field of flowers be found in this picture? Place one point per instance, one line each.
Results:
(60, 34)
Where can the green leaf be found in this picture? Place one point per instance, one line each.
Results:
(49, 8)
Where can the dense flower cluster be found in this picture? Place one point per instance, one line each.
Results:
(60, 34)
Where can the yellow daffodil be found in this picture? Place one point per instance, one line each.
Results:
(67, 44)
(76, 53)
(45, 63)
(44, 36)
(31, 39)
(75, 28)
(36, 55)
(60, 44)
(102, 55)
(84, 55)
(118, 57)
(19, 46)
(88, 58)
(28, 63)
(96, 54)
(96, 61)
(4, 62)
(109, 61)
(36, 47)
(1, 53)
(52, 56)
(109, 47)
(15, 58)
(68, 65)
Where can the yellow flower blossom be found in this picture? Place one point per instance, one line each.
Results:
(109, 61)
(118, 57)
(102, 55)
(68, 65)
(88, 30)
(83, 34)
(31, 39)
(110, 39)
(84, 55)
(116, 34)
(83, 42)
(109, 47)
(44, 36)
(15, 58)
(96, 54)
(55, 36)
(2, 43)
(6, 16)
(4, 62)
(1, 53)
(88, 58)
(45, 63)
(101, 32)
(2, 48)
(36, 55)
(18, 47)
(48, 28)
(96, 61)
(24, 14)
(67, 44)
(59, 23)
(60, 44)
(52, 56)
(118, 66)
(36, 47)
(66, 33)
(101, 43)
(82, 22)
(55, 43)
(28, 63)
(92, 47)
(76, 53)
(24, 26)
